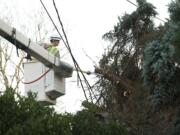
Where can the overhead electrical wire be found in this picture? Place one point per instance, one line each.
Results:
(59, 35)
(75, 62)
(78, 69)
(66, 43)
(137, 6)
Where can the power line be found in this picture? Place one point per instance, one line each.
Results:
(66, 43)
(137, 6)
(89, 57)
(75, 62)
(63, 41)
(132, 3)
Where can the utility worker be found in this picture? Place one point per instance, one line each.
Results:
(52, 47)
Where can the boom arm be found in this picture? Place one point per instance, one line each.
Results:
(37, 51)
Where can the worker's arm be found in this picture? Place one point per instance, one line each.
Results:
(46, 45)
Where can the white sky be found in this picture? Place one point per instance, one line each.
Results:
(85, 22)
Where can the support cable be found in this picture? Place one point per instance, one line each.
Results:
(137, 6)
(53, 23)
(69, 49)
(75, 62)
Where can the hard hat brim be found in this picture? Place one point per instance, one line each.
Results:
(55, 38)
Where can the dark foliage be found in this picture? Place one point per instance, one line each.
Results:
(147, 59)
(25, 116)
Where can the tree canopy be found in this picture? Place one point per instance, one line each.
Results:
(24, 115)
(140, 71)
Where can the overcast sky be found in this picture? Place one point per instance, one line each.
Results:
(85, 22)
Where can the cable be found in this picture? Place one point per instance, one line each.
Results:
(137, 6)
(37, 78)
(89, 57)
(75, 62)
(51, 20)
(132, 3)
(66, 43)
(86, 72)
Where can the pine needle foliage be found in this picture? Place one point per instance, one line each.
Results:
(159, 68)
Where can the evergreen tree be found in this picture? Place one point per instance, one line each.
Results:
(142, 64)
(159, 69)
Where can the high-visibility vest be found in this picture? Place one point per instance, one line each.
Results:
(53, 50)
